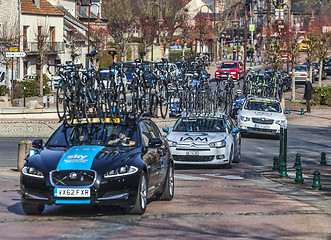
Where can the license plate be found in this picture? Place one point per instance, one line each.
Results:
(72, 192)
(262, 126)
(224, 75)
(192, 153)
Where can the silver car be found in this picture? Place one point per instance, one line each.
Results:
(213, 140)
(301, 73)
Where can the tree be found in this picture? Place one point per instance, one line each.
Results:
(42, 38)
(322, 50)
(121, 19)
(293, 47)
(8, 38)
(311, 52)
(98, 36)
(274, 42)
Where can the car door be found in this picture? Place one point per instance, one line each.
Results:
(150, 155)
(162, 159)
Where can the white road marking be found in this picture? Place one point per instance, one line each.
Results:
(231, 177)
(187, 177)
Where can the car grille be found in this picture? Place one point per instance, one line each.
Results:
(261, 130)
(72, 177)
(183, 158)
(262, 121)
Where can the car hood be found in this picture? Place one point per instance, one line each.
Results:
(199, 138)
(262, 114)
(87, 157)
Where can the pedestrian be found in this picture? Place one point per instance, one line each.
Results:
(307, 95)
(234, 52)
(258, 54)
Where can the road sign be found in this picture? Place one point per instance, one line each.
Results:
(15, 54)
(251, 27)
(13, 49)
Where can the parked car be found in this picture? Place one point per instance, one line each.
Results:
(303, 44)
(234, 69)
(122, 163)
(261, 116)
(316, 69)
(301, 73)
(54, 81)
(212, 140)
(327, 65)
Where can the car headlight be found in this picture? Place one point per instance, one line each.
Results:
(280, 122)
(172, 143)
(121, 171)
(219, 144)
(245, 119)
(32, 172)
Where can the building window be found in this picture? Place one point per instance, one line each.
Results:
(25, 38)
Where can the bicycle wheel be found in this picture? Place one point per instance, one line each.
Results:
(163, 100)
(60, 99)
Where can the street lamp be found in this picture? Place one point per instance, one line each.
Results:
(207, 20)
(234, 21)
(160, 22)
(235, 24)
(98, 22)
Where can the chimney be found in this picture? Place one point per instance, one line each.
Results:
(37, 3)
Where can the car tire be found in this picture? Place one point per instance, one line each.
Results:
(168, 192)
(32, 208)
(139, 207)
(238, 156)
(229, 164)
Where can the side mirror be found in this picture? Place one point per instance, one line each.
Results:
(287, 112)
(155, 142)
(235, 130)
(166, 130)
(37, 143)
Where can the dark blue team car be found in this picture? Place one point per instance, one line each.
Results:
(111, 163)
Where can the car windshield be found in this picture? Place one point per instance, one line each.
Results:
(229, 65)
(117, 135)
(266, 106)
(196, 124)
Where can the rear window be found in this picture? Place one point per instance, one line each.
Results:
(229, 65)
(301, 68)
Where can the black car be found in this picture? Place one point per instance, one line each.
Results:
(120, 164)
(327, 65)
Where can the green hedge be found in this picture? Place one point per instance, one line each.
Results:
(31, 87)
(322, 95)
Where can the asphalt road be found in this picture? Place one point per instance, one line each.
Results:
(257, 150)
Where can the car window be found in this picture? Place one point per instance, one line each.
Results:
(301, 68)
(192, 124)
(229, 65)
(146, 132)
(96, 134)
(266, 106)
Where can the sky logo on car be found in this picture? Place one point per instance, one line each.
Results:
(79, 157)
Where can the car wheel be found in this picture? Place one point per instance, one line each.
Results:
(238, 156)
(32, 209)
(141, 202)
(168, 191)
(229, 164)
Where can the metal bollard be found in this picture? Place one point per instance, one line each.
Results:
(302, 111)
(323, 158)
(316, 181)
(297, 160)
(281, 144)
(283, 171)
(298, 175)
(285, 144)
(275, 164)
(23, 151)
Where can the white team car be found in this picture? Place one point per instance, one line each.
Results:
(261, 115)
(205, 140)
